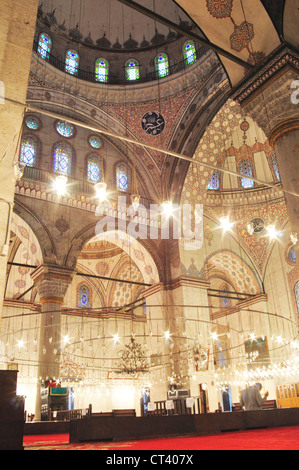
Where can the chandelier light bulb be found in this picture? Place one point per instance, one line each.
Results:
(135, 201)
(20, 343)
(66, 339)
(101, 191)
(116, 338)
(60, 184)
(272, 232)
(226, 224)
(250, 229)
(167, 208)
(167, 335)
(294, 238)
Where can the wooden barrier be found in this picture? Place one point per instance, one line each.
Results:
(287, 395)
(128, 428)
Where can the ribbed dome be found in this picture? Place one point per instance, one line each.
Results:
(109, 23)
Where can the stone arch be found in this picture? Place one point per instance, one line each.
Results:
(136, 251)
(27, 236)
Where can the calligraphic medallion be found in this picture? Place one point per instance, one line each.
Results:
(153, 123)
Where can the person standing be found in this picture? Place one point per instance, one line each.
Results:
(252, 399)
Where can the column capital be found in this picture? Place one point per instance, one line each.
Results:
(52, 282)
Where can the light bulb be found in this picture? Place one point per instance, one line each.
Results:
(294, 238)
(101, 191)
(20, 343)
(135, 201)
(116, 338)
(250, 229)
(19, 168)
(167, 208)
(272, 232)
(60, 184)
(66, 339)
(167, 335)
(214, 336)
(225, 224)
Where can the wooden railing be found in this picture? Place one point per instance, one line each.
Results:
(179, 408)
(70, 415)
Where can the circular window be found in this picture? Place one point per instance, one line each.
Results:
(95, 142)
(65, 129)
(32, 123)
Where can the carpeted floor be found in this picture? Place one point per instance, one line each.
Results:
(263, 439)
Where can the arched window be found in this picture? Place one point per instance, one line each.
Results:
(29, 151)
(72, 62)
(275, 167)
(246, 170)
(63, 159)
(102, 70)
(44, 46)
(132, 70)
(83, 296)
(162, 65)
(189, 52)
(297, 295)
(214, 184)
(123, 177)
(94, 169)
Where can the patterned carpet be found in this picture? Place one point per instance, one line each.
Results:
(263, 439)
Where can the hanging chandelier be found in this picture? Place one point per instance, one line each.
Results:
(133, 359)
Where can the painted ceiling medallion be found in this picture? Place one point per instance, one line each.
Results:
(242, 36)
(153, 123)
(220, 8)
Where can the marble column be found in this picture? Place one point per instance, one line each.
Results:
(52, 283)
(17, 26)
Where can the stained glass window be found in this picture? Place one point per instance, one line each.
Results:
(65, 129)
(132, 70)
(83, 297)
(189, 53)
(102, 70)
(246, 170)
(297, 295)
(214, 184)
(44, 46)
(162, 65)
(95, 142)
(122, 177)
(63, 157)
(29, 151)
(72, 62)
(94, 169)
(275, 166)
(32, 123)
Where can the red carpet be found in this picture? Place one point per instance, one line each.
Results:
(263, 439)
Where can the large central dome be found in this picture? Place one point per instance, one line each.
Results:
(111, 23)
